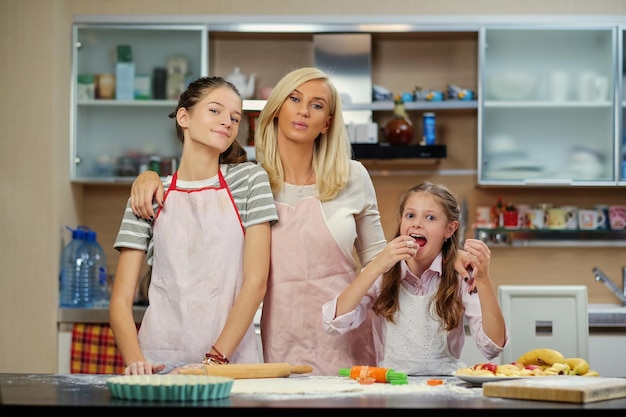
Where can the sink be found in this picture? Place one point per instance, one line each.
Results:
(607, 315)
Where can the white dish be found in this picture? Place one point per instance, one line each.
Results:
(481, 379)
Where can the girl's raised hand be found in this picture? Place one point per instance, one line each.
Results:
(399, 249)
(480, 257)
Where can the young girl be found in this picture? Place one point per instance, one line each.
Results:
(420, 295)
(208, 246)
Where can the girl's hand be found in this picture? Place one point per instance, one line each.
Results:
(480, 257)
(146, 187)
(400, 248)
(190, 369)
(143, 368)
(463, 266)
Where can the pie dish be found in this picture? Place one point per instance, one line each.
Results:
(170, 387)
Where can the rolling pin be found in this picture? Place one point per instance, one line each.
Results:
(245, 371)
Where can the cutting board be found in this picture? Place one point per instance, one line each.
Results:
(571, 389)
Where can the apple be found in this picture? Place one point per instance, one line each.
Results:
(533, 367)
(489, 366)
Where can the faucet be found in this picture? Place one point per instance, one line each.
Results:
(601, 277)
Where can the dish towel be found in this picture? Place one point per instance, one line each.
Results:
(94, 350)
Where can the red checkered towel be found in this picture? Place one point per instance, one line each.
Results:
(94, 350)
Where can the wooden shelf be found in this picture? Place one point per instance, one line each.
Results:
(552, 237)
(382, 151)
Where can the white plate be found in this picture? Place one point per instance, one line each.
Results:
(480, 379)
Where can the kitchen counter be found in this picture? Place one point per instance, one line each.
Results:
(22, 394)
(600, 315)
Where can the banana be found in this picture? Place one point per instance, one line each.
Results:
(591, 373)
(508, 369)
(578, 366)
(558, 369)
(542, 357)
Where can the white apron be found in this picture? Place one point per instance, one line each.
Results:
(197, 273)
(417, 352)
(308, 268)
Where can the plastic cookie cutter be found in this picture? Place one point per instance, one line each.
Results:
(371, 374)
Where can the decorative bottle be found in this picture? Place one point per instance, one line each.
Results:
(399, 130)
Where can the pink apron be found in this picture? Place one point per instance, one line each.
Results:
(308, 269)
(196, 276)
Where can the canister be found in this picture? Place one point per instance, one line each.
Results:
(155, 164)
(429, 128)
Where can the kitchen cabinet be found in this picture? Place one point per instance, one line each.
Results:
(398, 56)
(113, 137)
(547, 106)
(621, 106)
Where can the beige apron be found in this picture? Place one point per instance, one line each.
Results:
(197, 274)
(307, 269)
(416, 344)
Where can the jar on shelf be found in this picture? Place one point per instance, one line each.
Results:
(399, 130)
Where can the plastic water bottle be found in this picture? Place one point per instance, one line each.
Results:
(67, 265)
(85, 279)
(99, 273)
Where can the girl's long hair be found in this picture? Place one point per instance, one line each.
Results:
(447, 300)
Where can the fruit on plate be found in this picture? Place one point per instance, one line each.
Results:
(488, 366)
(536, 362)
(578, 366)
(507, 369)
(542, 357)
(591, 373)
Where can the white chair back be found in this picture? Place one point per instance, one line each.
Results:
(545, 316)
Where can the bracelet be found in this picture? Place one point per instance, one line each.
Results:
(218, 359)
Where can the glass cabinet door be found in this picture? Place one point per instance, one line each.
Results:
(126, 81)
(621, 100)
(547, 106)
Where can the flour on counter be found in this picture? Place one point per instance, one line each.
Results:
(330, 386)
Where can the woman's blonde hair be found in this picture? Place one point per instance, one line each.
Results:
(332, 150)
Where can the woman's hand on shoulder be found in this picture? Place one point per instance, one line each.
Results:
(146, 187)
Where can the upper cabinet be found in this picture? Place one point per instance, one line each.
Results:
(547, 112)
(360, 58)
(126, 81)
(549, 106)
(621, 100)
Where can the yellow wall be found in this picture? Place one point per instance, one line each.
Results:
(37, 201)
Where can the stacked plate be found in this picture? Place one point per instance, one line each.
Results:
(173, 387)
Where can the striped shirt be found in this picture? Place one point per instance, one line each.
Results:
(249, 186)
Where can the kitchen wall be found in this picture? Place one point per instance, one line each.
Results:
(37, 200)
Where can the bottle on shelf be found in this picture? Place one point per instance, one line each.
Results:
(399, 130)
